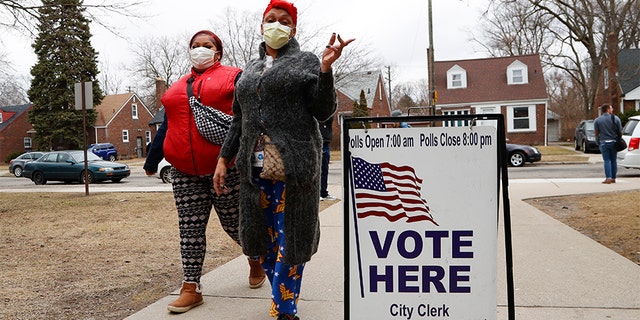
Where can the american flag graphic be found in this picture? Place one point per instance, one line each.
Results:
(388, 191)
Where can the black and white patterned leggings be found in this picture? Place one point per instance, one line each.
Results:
(194, 197)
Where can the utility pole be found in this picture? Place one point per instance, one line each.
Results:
(430, 56)
(389, 80)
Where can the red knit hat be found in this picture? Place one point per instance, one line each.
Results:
(216, 40)
(284, 5)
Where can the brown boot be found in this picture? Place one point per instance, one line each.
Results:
(190, 297)
(256, 274)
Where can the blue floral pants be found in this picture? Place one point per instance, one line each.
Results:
(285, 279)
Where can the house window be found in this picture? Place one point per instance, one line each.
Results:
(147, 136)
(606, 78)
(27, 143)
(456, 78)
(521, 118)
(125, 135)
(455, 123)
(134, 110)
(517, 73)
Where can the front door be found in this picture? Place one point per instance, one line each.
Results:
(139, 146)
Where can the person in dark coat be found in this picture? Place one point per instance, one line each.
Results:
(326, 129)
(282, 94)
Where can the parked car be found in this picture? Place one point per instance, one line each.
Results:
(68, 166)
(584, 137)
(164, 171)
(17, 165)
(518, 154)
(106, 151)
(630, 157)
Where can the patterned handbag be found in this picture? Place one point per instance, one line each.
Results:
(273, 166)
(212, 123)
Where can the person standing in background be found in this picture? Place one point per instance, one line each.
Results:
(193, 159)
(607, 128)
(326, 129)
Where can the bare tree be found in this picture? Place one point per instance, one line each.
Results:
(579, 29)
(23, 15)
(515, 30)
(164, 57)
(167, 57)
(12, 91)
(240, 34)
(111, 81)
(564, 100)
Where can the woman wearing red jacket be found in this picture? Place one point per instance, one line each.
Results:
(194, 159)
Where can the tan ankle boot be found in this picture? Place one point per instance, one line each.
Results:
(190, 297)
(256, 274)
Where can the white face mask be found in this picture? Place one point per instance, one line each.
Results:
(202, 58)
(275, 34)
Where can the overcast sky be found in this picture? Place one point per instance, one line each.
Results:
(397, 31)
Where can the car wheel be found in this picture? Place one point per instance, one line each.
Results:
(517, 159)
(89, 177)
(576, 145)
(17, 171)
(165, 174)
(38, 178)
(584, 146)
(112, 158)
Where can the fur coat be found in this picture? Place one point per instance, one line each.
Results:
(285, 102)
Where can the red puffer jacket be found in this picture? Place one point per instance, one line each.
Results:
(184, 147)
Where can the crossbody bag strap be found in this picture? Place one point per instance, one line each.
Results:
(190, 87)
(615, 124)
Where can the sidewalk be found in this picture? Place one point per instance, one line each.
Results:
(558, 272)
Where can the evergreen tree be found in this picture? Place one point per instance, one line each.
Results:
(360, 109)
(65, 57)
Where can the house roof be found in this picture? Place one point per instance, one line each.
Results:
(158, 117)
(487, 81)
(112, 104)
(629, 69)
(353, 84)
(18, 110)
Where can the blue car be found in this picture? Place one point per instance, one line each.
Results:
(106, 151)
(68, 166)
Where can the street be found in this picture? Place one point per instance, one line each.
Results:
(138, 181)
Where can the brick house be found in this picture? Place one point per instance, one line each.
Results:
(620, 84)
(513, 86)
(348, 90)
(16, 133)
(123, 120)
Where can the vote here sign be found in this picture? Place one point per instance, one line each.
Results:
(422, 223)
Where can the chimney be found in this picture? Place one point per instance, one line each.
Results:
(161, 88)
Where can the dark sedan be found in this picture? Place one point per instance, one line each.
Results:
(518, 154)
(68, 166)
(585, 137)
